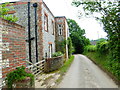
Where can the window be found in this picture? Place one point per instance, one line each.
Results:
(46, 22)
(53, 28)
(60, 29)
(60, 25)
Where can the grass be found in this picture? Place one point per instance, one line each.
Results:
(102, 61)
(99, 59)
(64, 68)
(66, 65)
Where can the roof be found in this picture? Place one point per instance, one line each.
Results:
(61, 17)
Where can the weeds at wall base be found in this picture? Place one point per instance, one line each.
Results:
(64, 69)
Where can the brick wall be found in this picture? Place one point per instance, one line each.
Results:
(13, 48)
(21, 11)
(65, 32)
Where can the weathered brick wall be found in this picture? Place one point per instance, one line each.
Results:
(12, 45)
(21, 11)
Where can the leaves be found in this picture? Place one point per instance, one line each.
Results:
(56, 54)
(4, 13)
(77, 36)
(111, 20)
(18, 75)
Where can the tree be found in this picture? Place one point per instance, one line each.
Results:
(4, 13)
(110, 18)
(77, 36)
(70, 47)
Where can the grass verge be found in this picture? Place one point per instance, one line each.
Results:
(64, 69)
(102, 61)
(66, 65)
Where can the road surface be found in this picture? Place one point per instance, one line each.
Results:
(83, 73)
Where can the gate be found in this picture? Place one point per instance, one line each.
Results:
(36, 68)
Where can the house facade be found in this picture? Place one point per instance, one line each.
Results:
(47, 31)
(14, 40)
(62, 32)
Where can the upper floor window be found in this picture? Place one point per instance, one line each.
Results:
(60, 29)
(46, 22)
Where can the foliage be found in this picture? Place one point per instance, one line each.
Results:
(90, 48)
(4, 13)
(100, 40)
(60, 45)
(110, 17)
(77, 36)
(18, 75)
(56, 54)
(102, 47)
(103, 61)
(70, 47)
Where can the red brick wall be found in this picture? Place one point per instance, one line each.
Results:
(15, 51)
(40, 33)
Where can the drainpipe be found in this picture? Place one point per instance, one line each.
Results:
(29, 37)
(35, 7)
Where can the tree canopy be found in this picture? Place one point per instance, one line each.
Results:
(77, 36)
(110, 18)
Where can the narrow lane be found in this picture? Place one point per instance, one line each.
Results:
(83, 73)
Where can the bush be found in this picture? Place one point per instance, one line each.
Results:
(18, 75)
(70, 47)
(102, 47)
(56, 54)
(90, 48)
(60, 45)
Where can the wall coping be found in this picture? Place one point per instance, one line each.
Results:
(53, 58)
(9, 22)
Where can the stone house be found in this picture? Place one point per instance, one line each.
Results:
(15, 36)
(48, 28)
(62, 31)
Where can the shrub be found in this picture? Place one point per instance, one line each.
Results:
(102, 47)
(18, 75)
(70, 47)
(90, 48)
(56, 54)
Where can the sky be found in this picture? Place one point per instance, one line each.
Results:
(92, 28)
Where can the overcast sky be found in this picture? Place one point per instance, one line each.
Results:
(64, 8)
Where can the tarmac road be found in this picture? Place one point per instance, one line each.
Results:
(83, 73)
